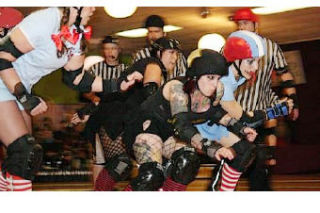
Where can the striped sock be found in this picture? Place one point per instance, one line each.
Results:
(104, 181)
(170, 185)
(16, 183)
(128, 188)
(3, 182)
(230, 178)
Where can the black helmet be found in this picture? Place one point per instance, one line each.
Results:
(110, 39)
(154, 21)
(207, 62)
(165, 43)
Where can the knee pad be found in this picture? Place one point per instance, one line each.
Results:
(119, 167)
(24, 157)
(150, 177)
(185, 164)
(245, 154)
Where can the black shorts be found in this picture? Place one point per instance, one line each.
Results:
(134, 127)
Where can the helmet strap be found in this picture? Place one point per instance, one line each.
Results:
(238, 67)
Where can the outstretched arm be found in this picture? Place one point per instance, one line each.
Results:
(76, 78)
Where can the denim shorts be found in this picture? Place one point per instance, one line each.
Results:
(214, 132)
(5, 95)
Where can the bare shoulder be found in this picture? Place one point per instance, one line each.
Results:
(170, 87)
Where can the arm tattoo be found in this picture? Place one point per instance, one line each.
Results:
(178, 99)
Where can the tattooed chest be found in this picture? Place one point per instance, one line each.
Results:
(199, 103)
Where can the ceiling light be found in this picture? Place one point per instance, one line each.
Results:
(170, 28)
(134, 33)
(212, 41)
(142, 32)
(120, 9)
(271, 10)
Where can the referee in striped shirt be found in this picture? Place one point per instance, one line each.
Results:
(259, 96)
(155, 25)
(110, 68)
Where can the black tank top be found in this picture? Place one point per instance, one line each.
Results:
(160, 107)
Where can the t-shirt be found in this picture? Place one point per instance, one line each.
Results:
(42, 60)
(230, 85)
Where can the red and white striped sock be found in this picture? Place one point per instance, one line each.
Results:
(16, 183)
(104, 181)
(128, 188)
(3, 182)
(170, 185)
(230, 178)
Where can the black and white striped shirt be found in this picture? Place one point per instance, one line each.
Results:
(106, 71)
(259, 96)
(180, 69)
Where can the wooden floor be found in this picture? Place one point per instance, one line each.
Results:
(306, 182)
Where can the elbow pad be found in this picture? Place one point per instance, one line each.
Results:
(84, 84)
(183, 128)
(5, 64)
(216, 115)
(69, 76)
(8, 47)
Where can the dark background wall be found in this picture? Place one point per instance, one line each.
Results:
(300, 151)
(306, 130)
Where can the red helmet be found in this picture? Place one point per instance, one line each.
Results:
(243, 44)
(9, 17)
(245, 14)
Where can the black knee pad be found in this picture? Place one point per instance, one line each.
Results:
(185, 164)
(150, 177)
(245, 154)
(119, 167)
(24, 157)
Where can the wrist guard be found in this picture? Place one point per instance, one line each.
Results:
(27, 100)
(88, 109)
(257, 120)
(277, 111)
(183, 128)
(210, 147)
(236, 127)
